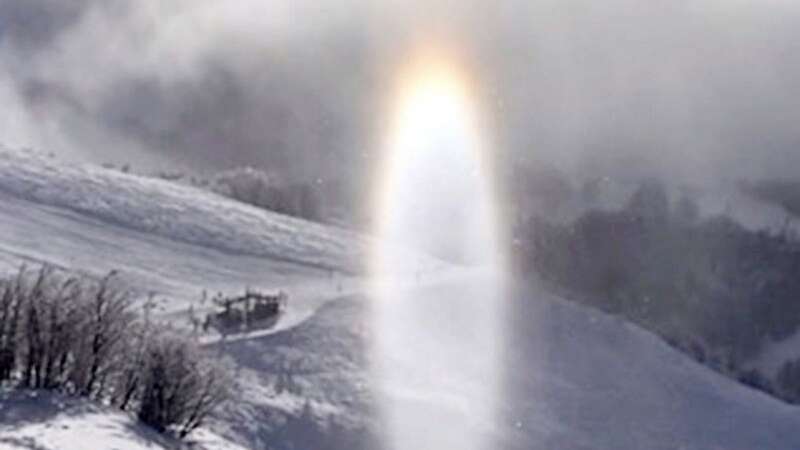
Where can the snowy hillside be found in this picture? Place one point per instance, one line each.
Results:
(574, 379)
(593, 381)
(176, 212)
(167, 239)
(44, 421)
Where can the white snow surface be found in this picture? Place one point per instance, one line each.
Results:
(166, 239)
(31, 420)
(177, 212)
(575, 379)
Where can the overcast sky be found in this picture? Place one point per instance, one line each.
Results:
(690, 88)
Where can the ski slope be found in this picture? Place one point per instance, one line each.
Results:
(573, 378)
(177, 212)
(166, 239)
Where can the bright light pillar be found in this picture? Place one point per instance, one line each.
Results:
(436, 349)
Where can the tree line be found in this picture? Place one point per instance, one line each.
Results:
(80, 336)
(708, 286)
(257, 188)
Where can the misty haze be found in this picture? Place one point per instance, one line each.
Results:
(399, 225)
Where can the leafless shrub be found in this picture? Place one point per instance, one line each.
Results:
(81, 336)
(179, 388)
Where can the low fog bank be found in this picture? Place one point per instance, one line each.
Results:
(697, 91)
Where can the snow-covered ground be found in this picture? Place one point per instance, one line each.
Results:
(179, 213)
(32, 420)
(593, 381)
(572, 378)
(171, 240)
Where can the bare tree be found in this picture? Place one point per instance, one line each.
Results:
(107, 315)
(61, 331)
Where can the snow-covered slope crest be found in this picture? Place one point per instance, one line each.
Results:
(177, 212)
(48, 421)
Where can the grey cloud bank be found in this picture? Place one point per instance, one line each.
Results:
(691, 89)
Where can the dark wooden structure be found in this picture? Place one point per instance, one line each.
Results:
(253, 310)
